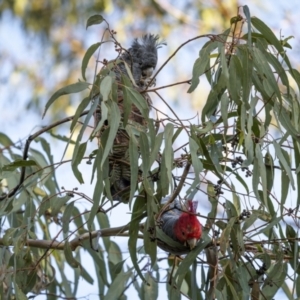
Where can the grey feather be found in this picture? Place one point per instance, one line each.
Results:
(170, 216)
(141, 59)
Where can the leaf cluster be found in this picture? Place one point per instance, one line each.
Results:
(246, 142)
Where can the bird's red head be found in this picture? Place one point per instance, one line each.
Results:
(188, 229)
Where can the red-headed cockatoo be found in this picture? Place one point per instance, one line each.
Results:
(181, 229)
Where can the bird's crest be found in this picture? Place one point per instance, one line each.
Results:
(192, 206)
(148, 41)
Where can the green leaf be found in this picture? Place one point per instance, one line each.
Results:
(66, 218)
(133, 157)
(230, 210)
(69, 89)
(19, 293)
(114, 122)
(86, 274)
(166, 172)
(268, 34)
(98, 188)
(144, 146)
(236, 201)
(284, 161)
(223, 59)
(17, 164)
(5, 140)
(138, 100)
(56, 203)
(156, 147)
(77, 158)
(197, 164)
(279, 69)
(99, 263)
(117, 287)
(262, 173)
(214, 206)
(90, 51)
(247, 66)
(224, 239)
(69, 256)
(93, 20)
(224, 110)
(235, 78)
(150, 245)
(297, 163)
(215, 166)
(137, 216)
(127, 102)
(268, 227)
(201, 64)
(215, 95)
(190, 258)
(297, 284)
(104, 114)
(9, 236)
(266, 72)
(176, 134)
(275, 279)
(62, 138)
(269, 163)
(150, 287)
(115, 260)
(248, 17)
(231, 288)
(249, 221)
(296, 75)
(81, 107)
(105, 87)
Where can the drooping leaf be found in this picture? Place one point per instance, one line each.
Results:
(17, 164)
(201, 64)
(114, 121)
(137, 216)
(117, 287)
(77, 158)
(247, 14)
(66, 218)
(88, 54)
(105, 87)
(69, 89)
(69, 256)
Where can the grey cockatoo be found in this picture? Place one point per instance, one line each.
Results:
(141, 60)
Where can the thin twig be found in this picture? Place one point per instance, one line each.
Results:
(26, 150)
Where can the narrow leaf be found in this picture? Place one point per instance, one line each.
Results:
(70, 89)
(81, 107)
(90, 51)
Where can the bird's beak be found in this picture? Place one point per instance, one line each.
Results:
(148, 72)
(192, 243)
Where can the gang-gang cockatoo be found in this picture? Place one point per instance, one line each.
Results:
(180, 227)
(141, 60)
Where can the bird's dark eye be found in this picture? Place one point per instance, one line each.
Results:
(183, 233)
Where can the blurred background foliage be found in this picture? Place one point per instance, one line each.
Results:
(55, 38)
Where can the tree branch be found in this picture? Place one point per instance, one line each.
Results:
(50, 244)
(26, 149)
